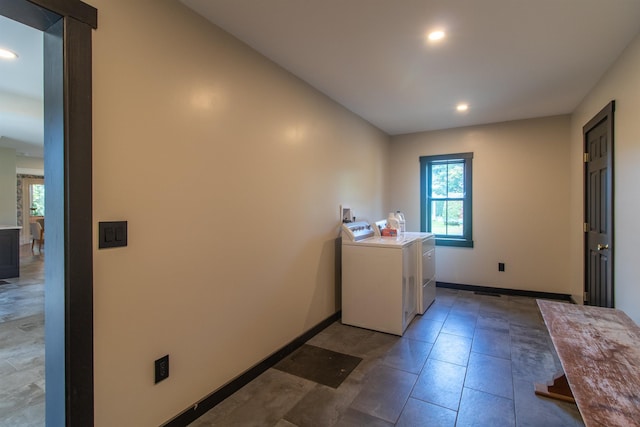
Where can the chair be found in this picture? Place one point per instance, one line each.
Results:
(37, 234)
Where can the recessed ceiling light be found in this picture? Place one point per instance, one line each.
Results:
(7, 54)
(462, 107)
(436, 35)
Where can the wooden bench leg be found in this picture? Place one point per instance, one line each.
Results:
(558, 389)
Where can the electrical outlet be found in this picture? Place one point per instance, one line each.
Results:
(162, 368)
(501, 266)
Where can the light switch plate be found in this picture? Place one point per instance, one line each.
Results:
(112, 234)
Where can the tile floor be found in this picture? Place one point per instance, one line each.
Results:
(471, 360)
(22, 344)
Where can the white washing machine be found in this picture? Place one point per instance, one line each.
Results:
(379, 279)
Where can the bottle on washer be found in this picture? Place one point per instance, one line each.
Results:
(401, 222)
(392, 221)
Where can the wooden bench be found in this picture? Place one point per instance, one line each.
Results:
(599, 349)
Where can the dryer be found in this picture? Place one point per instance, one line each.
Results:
(426, 252)
(426, 264)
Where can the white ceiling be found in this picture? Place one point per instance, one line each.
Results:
(21, 113)
(509, 59)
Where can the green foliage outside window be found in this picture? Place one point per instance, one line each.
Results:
(37, 199)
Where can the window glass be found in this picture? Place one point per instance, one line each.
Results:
(447, 217)
(439, 179)
(455, 180)
(37, 199)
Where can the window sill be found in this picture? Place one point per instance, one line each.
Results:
(460, 243)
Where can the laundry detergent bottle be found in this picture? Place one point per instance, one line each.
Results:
(392, 222)
(401, 222)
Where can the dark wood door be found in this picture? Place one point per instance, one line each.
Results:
(598, 140)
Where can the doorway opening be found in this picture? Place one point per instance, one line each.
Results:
(67, 27)
(22, 327)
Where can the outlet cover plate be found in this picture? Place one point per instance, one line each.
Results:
(162, 368)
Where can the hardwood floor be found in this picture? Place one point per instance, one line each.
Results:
(22, 344)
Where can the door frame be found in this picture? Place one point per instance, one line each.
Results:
(67, 26)
(607, 113)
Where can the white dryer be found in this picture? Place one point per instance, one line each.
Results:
(426, 252)
(379, 279)
(426, 264)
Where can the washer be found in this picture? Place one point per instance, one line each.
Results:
(379, 279)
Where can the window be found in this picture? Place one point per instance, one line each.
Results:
(36, 196)
(445, 193)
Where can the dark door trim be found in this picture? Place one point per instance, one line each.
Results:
(605, 115)
(67, 26)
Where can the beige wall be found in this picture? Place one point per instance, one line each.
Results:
(30, 165)
(209, 150)
(520, 201)
(622, 84)
(7, 186)
(230, 172)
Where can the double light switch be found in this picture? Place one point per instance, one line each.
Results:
(112, 234)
